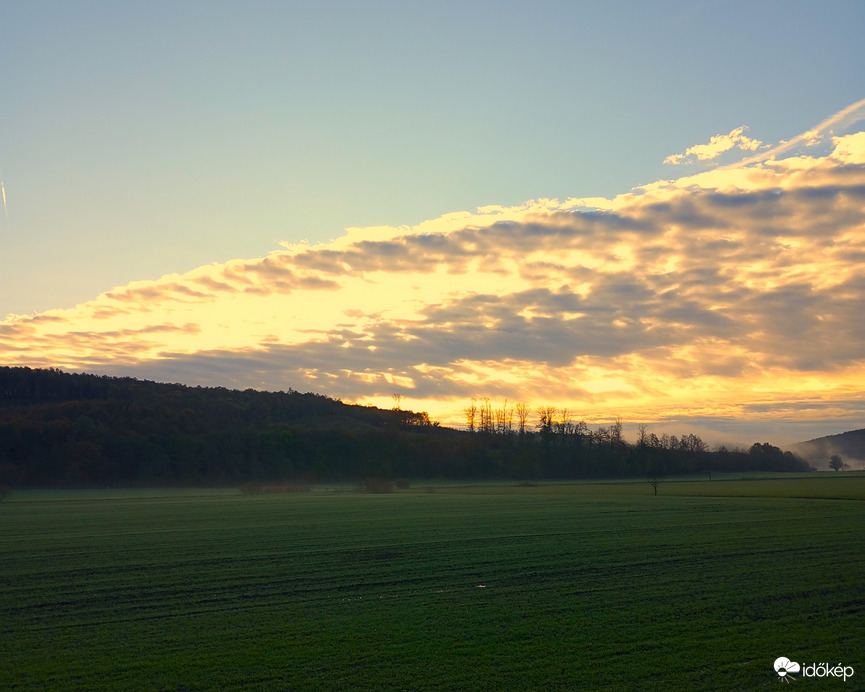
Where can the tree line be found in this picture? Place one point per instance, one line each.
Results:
(65, 429)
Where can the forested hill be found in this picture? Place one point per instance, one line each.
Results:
(850, 446)
(64, 429)
(22, 387)
(70, 428)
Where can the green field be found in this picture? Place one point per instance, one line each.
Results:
(558, 586)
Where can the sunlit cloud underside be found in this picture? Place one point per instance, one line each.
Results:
(728, 296)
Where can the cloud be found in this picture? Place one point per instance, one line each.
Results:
(727, 297)
(717, 145)
(825, 132)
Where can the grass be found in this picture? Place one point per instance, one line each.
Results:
(571, 586)
(117, 494)
(814, 485)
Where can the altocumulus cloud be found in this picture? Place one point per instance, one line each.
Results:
(722, 296)
(717, 145)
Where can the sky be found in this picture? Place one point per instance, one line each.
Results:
(650, 211)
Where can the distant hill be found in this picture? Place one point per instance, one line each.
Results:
(850, 446)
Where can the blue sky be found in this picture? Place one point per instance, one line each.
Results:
(139, 139)
(646, 210)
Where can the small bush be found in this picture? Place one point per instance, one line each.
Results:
(378, 485)
(5, 493)
(289, 488)
(402, 483)
(261, 489)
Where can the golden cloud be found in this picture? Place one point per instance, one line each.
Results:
(717, 145)
(713, 295)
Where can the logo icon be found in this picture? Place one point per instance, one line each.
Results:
(784, 667)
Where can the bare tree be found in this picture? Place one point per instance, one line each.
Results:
(504, 419)
(655, 478)
(546, 415)
(563, 427)
(643, 435)
(692, 443)
(581, 429)
(486, 410)
(616, 440)
(522, 417)
(601, 436)
(471, 415)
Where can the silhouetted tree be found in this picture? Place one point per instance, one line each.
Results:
(522, 417)
(471, 412)
(655, 478)
(504, 419)
(546, 415)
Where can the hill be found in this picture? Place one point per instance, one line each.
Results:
(850, 446)
(64, 429)
(61, 428)
(23, 387)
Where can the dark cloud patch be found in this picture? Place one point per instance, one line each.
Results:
(827, 192)
(320, 260)
(422, 254)
(212, 284)
(806, 329)
(692, 315)
(321, 367)
(269, 269)
(748, 200)
(105, 312)
(591, 221)
(44, 319)
(537, 271)
(315, 283)
(620, 293)
(540, 325)
(157, 293)
(687, 211)
(273, 274)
